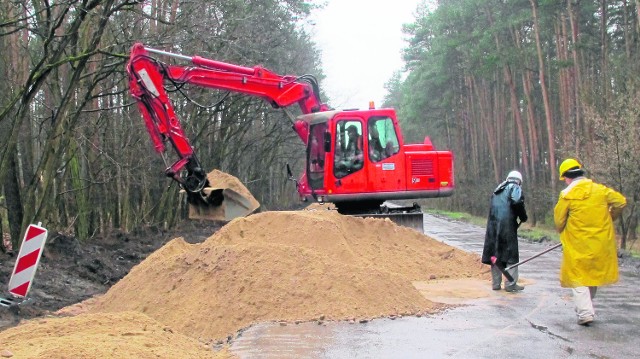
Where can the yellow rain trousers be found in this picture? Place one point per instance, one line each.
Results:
(584, 218)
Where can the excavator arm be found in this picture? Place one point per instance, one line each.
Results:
(148, 77)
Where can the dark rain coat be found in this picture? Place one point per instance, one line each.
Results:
(501, 239)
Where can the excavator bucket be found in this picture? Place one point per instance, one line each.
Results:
(236, 201)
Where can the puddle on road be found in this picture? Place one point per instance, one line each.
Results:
(454, 291)
(272, 340)
(407, 337)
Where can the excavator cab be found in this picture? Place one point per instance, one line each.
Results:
(357, 160)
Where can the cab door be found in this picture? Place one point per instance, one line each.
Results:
(316, 157)
(384, 167)
(349, 174)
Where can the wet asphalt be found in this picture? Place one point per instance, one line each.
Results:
(538, 322)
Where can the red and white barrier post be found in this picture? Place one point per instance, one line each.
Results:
(28, 260)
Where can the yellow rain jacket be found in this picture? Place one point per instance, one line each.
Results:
(584, 218)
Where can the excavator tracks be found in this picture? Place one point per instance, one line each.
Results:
(406, 216)
(413, 220)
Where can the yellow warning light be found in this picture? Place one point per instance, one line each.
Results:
(444, 184)
(372, 105)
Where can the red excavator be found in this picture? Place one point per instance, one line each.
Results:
(355, 159)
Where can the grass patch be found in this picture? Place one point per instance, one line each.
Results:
(538, 233)
(460, 216)
(633, 248)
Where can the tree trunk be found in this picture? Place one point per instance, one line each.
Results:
(489, 128)
(518, 119)
(14, 203)
(545, 95)
(576, 80)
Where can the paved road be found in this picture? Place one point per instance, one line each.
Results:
(537, 323)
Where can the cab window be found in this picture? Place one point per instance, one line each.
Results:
(382, 138)
(349, 148)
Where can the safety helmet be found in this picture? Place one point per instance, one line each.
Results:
(567, 165)
(515, 175)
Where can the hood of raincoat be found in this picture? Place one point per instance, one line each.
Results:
(579, 189)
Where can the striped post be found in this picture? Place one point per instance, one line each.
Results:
(28, 259)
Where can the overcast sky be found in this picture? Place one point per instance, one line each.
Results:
(361, 43)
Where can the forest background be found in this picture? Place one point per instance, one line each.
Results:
(510, 84)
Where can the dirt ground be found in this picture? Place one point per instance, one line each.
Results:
(70, 271)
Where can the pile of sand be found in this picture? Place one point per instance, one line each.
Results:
(287, 266)
(280, 266)
(120, 335)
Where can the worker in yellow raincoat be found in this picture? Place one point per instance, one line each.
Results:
(584, 218)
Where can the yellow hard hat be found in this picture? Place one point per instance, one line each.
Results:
(568, 164)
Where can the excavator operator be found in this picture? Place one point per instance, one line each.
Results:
(353, 151)
(351, 159)
(354, 146)
(376, 151)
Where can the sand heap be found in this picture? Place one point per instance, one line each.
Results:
(271, 266)
(287, 266)
(116, 335)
